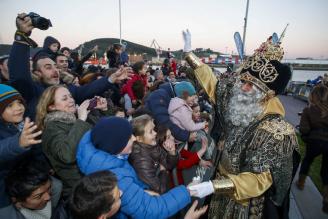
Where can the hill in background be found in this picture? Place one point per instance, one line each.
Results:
(132, 48)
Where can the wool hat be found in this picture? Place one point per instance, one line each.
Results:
(7, 95)
(111, 134)
(184, 86)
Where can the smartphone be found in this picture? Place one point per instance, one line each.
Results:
(93, 103)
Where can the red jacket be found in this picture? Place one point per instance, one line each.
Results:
(174, 67)
(187, 159)
(127, 88)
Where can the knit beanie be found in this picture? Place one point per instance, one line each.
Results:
(184, 86)
(111, 134)
(7, 95)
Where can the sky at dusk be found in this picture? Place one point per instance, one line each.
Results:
(212, 23)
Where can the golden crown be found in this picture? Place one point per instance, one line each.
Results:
(269, 51)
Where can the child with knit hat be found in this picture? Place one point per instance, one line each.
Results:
(180, 107)
(16, 135)
(107, 147)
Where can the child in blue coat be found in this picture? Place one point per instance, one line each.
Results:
(16, 136)
(107, 147)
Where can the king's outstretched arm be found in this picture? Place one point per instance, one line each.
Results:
(203, 72)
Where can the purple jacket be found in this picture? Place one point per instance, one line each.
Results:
(181, 115)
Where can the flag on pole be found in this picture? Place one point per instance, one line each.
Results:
(275, 38)
(239, 45)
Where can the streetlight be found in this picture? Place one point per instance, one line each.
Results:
(119, 1)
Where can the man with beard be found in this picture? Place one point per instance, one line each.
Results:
(258, 148)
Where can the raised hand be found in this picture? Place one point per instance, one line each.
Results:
(28, 135)
(24, 23)
(169, 146)
(192, 136)
(192, 213)
(121, 74)
(82, 110)
(187, 41)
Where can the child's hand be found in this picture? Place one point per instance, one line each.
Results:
(28, 135)
(130, 111)
(192, 213)
(205, 163)
(169, 146)
(202, 151)
(192, 136)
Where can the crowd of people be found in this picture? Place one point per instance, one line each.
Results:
(130, 141)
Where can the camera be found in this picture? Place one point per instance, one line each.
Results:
(39, 22)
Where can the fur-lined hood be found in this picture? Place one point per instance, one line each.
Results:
(60, 116)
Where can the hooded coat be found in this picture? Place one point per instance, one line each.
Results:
(158, 103)
(181, 115)
(136, 203)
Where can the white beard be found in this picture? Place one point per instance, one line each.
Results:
(244, 107)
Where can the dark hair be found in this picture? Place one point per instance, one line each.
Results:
(194, 105)
(161, 134)
(117, 46)
(58, 55)
(205, 117)
(138, 89)
(35, 60)
(319, 98)
(92, 195)
(75, 56)
(138, 66)
(26, 176)
(65, 48)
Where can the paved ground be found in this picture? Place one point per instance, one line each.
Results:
(307, 203)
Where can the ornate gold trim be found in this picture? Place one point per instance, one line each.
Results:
(279, 129)
(267, 72)
(223, 186)
(193, 60)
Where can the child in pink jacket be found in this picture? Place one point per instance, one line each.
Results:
(180, 110)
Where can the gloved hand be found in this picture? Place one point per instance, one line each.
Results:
(187, 41)
(201, 190)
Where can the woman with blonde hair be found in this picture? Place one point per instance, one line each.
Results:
(314, 131)
(63, 124)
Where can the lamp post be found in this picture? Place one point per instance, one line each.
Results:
(245, 26)
(119, 1)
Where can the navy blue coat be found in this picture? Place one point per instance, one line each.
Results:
(20, 78)
(136, 203)
(158, 103)
(10, 151)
